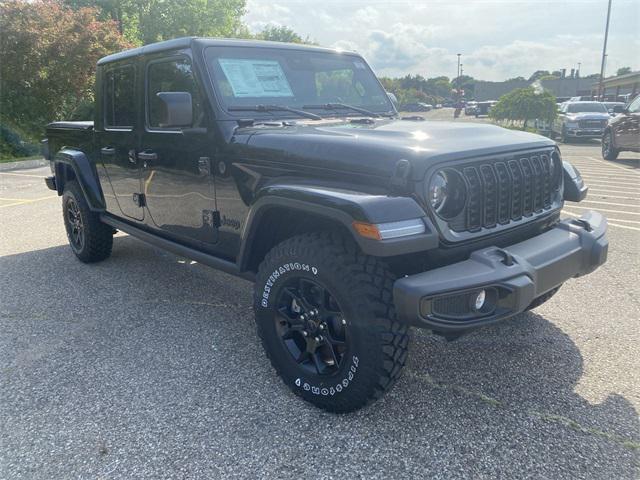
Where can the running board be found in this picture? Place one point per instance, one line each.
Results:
(176, 248)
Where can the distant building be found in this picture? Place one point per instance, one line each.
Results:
(627, 86)
(567, 87)
(494, 90)
(615, 88)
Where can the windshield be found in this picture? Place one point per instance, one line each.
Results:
(301, 79)
(586, 107)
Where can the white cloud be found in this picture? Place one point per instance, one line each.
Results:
(498, 38)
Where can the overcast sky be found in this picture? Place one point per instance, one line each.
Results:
(498, 39)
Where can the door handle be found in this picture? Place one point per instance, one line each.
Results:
(147, 156)
(108, 151)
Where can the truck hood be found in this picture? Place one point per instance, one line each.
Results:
(574, 117)
(375, 148)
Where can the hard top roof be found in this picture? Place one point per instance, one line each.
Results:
(186, 42)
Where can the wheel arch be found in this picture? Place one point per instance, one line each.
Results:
(283, 210)
(70, 164)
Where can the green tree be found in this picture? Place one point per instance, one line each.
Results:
(523, 105)
(623, 71)
(283, 33)
(48, 54)
(538, 74)
(148, 21)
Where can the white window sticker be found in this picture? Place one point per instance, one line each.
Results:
(255, 78)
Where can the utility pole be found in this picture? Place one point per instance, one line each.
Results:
(458, 77)
(604, 52)
(578, 78)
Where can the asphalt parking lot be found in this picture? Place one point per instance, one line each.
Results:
(148, 366)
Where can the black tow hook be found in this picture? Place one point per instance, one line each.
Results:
(507, 258)
(583, 223)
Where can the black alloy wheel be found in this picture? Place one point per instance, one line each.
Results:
(311, 326)
(89, 238)
(76, 225)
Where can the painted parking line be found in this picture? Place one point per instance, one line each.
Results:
(625, 227)
(25, 201)
(603, 210)
(602, 162)
(586, 200)
(615, 177)
(607, 195)
(21, 174)
(622, 184)
(615, 189)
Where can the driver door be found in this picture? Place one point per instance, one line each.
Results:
(176, 160)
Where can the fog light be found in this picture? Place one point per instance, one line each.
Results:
(478, 301)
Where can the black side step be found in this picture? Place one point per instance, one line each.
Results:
(176, 248)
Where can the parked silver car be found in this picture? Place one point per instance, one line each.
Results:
(580, 120)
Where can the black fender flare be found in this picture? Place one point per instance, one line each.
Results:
(574, 188)
(85, 173)
(342, 206)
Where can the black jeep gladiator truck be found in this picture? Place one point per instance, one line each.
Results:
(288, 165)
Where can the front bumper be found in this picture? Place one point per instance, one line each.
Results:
(585, 133)
(512, 277)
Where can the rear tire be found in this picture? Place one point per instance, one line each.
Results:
(89, 238)
(351, 350)
(609, 152)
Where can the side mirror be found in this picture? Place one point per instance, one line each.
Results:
(176, 109)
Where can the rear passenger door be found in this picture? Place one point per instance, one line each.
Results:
(118, 138)
(176, 162)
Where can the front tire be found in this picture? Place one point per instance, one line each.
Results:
(89, 238)
(325, 315)
(609, 152)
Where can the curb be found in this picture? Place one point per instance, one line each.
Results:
(23, 164)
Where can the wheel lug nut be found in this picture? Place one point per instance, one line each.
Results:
(317, 339)
(304, 333)
(321, 326)
(344, 322)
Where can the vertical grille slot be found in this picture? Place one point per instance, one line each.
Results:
(546, 180)
(474, 203)
(490, 199)
(516, 189)
(537, 184)
(504, 189)
(528, 186)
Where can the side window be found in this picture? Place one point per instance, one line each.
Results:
(635, 106)
(171, 76)
(119, 97)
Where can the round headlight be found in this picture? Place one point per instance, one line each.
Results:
(446, 193)
(437, 190)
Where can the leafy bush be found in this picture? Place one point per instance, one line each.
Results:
(14, 144)
(525, 104)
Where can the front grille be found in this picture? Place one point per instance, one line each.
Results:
(500, 191)
(592, 123)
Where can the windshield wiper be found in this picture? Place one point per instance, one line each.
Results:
(274, 108)
(344, 106)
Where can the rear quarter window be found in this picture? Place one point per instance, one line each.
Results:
(119, 97)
